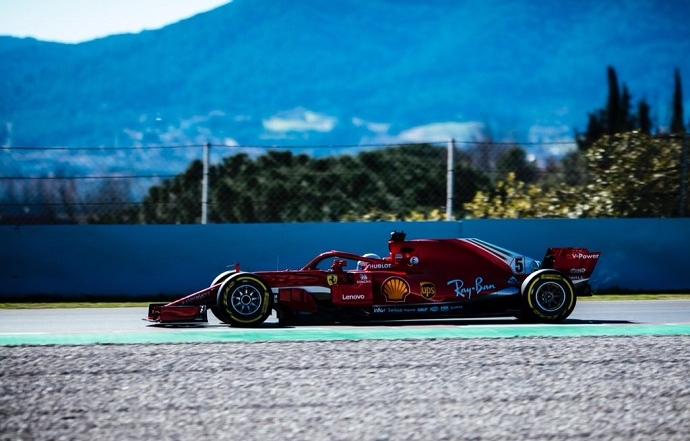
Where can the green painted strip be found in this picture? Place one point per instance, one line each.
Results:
(153, 336)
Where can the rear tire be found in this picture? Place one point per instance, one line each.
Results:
(548, 297)
(245, 299)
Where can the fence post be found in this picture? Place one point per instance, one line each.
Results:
(204, 185)
(683, 173)
(449, 180)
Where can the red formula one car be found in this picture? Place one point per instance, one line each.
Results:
(422, 278)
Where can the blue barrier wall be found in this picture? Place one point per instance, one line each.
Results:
(638, 255)
(150, 260)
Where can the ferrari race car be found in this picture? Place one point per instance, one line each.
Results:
(420, 279)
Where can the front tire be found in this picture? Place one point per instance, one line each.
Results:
(548, 297)
(217, 310)
(245, 300)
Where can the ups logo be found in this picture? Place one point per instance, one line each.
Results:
(427, 290)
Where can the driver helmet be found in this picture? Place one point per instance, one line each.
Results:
(362, 264)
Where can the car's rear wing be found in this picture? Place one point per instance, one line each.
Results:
(577, 263)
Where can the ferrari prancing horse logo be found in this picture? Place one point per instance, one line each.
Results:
(332, 279)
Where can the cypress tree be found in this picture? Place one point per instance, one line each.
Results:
(625, 119)
(644, 121)
(617, 116)
(677, 117)
(613, 107)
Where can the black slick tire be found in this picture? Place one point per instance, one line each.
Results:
(548, 297)
(216, 310)
(245, 300)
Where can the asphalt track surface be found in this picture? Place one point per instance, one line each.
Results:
(613, 371)
(125, 325)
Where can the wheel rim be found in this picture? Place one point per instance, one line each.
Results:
(246, 299)
(550, 297)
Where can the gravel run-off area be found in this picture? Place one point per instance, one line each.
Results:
(585, 388)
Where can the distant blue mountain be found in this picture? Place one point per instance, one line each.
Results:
(311, 72)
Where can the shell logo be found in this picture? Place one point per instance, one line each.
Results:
(395, 289)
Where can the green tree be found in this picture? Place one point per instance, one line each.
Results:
(514, 199)
(402, 182)
(629, 175)
(634, 175)
(574, 169)
(509, 199)
(515, 160)
(176, 200)
(595, 130)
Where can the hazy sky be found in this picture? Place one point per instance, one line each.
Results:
(75, 21)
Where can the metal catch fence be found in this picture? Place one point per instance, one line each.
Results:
(240, 184)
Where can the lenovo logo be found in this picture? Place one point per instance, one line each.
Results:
(352, 297)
